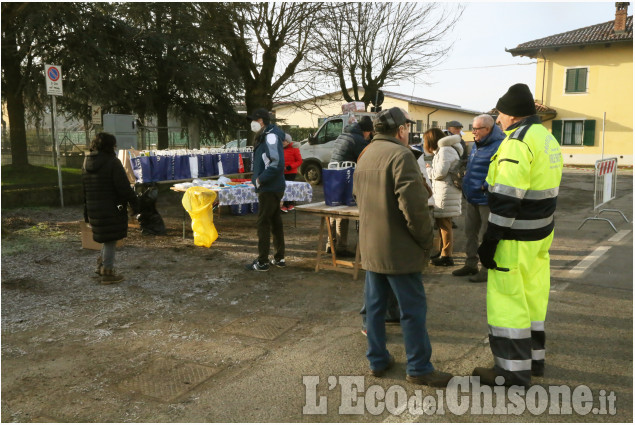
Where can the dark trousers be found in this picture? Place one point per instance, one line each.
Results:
(270, 223)
(289, 177)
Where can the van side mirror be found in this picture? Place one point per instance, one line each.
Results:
(312, 140)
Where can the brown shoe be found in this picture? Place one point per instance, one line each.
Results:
(465, 271)
(109, 276)
(434, 379)
(481, 276)
(380, 372)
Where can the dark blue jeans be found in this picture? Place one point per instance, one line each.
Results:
(392, 311)
(408, 289)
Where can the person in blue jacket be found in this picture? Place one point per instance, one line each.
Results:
(487, 138)
(268, 178)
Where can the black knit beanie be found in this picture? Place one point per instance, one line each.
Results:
(517, 102)
(366, 124)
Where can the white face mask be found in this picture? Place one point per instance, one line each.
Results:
(255, 126)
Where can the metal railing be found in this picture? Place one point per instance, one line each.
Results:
(178, 137)
(604, 190)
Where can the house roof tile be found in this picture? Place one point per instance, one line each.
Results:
(594, 34)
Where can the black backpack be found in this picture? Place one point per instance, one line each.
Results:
(458, 172)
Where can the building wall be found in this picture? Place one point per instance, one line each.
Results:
(442, 116)
(609, 89)
(307, 113)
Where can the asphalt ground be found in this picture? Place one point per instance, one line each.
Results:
(225, 345)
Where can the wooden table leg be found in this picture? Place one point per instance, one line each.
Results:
(319, 247)
(330, 233)
(184, 212)
(356, 265)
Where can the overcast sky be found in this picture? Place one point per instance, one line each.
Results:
(478, 70)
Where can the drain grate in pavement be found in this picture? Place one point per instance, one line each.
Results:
(167, 380)
(263, 327)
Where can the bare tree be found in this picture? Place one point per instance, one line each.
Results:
(268, 43)
(371, 44)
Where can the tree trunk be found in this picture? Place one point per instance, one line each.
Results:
(162, 131)
(87, 124)
(194, 133)
(17, 126)
(15, 105)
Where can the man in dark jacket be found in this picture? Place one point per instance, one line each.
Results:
(487, 139)
(347, 147)
(352, 141)
(107, 193)
(268, 178)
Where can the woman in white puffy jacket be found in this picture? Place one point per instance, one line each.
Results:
(447, 198)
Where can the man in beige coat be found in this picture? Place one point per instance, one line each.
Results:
(395, 236)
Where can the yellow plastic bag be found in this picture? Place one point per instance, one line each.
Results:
(198, 202)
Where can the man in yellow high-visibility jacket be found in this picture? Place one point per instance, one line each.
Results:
(522, 183)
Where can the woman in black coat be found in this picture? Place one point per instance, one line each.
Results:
(107, 192)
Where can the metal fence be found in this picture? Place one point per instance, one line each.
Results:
(41, 140)
(40, 151)
(148, 137)
(604, 190)
(75, 142)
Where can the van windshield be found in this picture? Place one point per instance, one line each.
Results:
(330, 131)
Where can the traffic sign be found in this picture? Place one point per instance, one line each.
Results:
(53, 75)
(379, 98)
(96, 114)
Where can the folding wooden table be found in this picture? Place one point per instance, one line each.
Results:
(327, 212)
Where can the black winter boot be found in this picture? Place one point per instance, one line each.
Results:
(443, 261)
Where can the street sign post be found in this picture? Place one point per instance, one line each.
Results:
(53, 76)
(96, 114)
(53, 80)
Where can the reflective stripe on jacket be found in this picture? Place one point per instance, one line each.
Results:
(524, 179)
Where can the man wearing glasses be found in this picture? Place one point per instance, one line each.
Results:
(487, 138)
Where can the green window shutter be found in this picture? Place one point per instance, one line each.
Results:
(570, 83)
(589, 133)
(556, 130)
(581, 80)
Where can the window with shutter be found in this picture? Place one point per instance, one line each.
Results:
(556, 130)
(572, 133)
(581, 80)
(576, 80)
(570, 85)
(589, 133)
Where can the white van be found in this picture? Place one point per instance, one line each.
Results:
(316, 150)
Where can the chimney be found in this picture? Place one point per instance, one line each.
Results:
(621, 8)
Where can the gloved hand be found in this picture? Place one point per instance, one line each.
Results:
(486, 252)
(288, 168)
